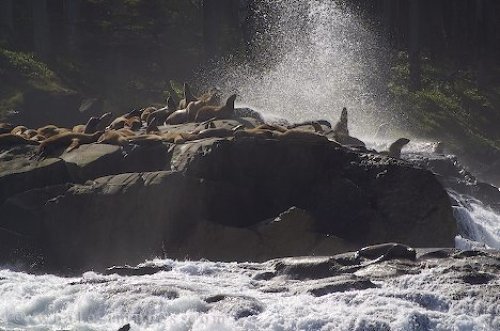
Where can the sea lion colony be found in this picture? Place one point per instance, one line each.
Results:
(141, 127)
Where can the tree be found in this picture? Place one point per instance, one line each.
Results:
(414, 46)
(73, 18)
(41, 29)
(6, 20)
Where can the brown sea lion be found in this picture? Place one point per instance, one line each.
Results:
(159, 116)
(133, 123)
(30, 134)
(211, 133)
(104, 121)
(6, 127)
(69, 140)
(303, 135)
(273, 127)
(256, 133)
(224, 112)
(173, 94)
(341, 129)
(188, 97)
(113, 137)
(395, 148)
(152, 128)
(19, 130)
(10, 140)
(50, 131)
(177, 117)
(211, 98)
(91, 125)
(146, 112)
(78, 128)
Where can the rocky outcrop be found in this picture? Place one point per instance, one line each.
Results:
(225, 199)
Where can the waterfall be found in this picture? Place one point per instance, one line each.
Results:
(310, 59)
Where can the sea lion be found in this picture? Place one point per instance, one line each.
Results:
(177, 117)
(19, 130)
(315, 124)
(133, 123)
(78, 128)
(173, 94)
(211, 133)
(395, 148)
(152, 128)
(91, 125)
(211, 98)
(188, 97)
(29, 134)
(69, 140)
(273, 127)
(258, 133)
(146, 112)
(113, 137)
(159, 116)
(341, 129)
(104, 121)
(50, 131)
(9, 140)
(224, 112)
(6, 127)
(303, 135)
(439, 147)
(385, 252)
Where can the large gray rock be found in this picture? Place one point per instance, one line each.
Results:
(225, 199)
(19, 173)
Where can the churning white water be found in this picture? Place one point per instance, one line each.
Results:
(176, 300)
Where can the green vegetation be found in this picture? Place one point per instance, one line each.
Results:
(21, 72)
(450, 106)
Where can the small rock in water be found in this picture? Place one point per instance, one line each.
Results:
(390, 251)
(136, 271)
(126, 327)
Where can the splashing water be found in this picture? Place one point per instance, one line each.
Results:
(176, 300)
(312, 59)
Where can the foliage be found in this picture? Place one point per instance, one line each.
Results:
(450, 106)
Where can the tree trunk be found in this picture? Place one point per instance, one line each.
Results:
(481, 44)
(6, 20)
(220, 26)
(41, 38)
(73, 19)
(414, 46)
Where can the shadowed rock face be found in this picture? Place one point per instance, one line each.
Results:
(225, 199)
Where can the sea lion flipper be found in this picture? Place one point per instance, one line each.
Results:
(188, 95)
(171, 104)
(230, 101)
(75, 143)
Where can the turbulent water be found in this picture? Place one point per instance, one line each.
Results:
(177, 300)
(317, 58)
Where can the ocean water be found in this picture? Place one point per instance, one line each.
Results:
(176, 300)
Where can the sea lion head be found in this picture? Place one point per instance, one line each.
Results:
(188, 95)
(230, 101)
(171, 106)
(91, 125)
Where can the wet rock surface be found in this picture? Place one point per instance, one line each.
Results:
(241, 198)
